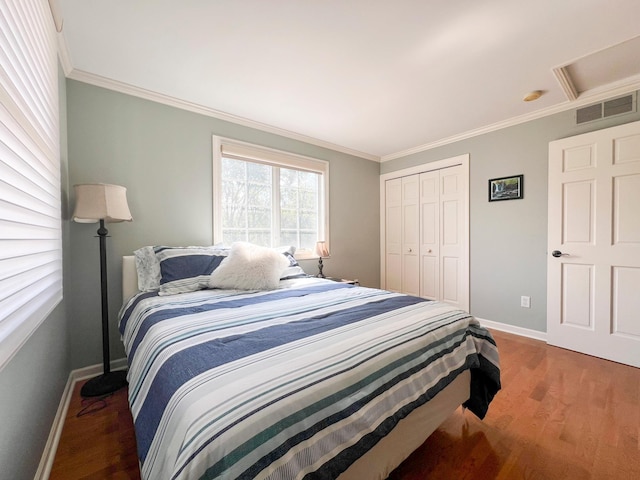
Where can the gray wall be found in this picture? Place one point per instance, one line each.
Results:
(31, 384)
(163, 156)
(508, 244)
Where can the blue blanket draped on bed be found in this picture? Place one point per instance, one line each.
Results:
(296, 382)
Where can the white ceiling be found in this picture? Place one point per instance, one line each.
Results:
(372, 77)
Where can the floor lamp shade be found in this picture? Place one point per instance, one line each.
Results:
(100, 202)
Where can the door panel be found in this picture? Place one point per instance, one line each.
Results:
(429, 285)
(430, 235)
(578, 158)
(454, 276)
(411, 235)
(593, 279)
(450, 223)
(626, 149)
(393, 235)
(626, 302)
(626, 200)
(450, 286)
(578, 212)
(577, 295)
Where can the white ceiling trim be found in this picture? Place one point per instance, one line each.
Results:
(564, 79)
(592, 96)
(585, 98)
(63, 54)
(121, 87)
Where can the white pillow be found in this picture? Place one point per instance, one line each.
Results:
(249, 267)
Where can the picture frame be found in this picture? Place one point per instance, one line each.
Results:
(506, 188)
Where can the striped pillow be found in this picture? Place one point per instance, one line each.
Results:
(187, 269)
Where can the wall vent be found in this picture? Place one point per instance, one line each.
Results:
(589, 114)
(609, 108)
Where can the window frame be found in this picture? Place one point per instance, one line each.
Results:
(277, 158)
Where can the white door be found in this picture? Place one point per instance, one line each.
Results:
(411, 235)
(393, 235)
(443, 237)
(593, 284)
(401, 235)
(454, 273)
(430, 235)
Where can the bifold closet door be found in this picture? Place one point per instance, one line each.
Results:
(430, 235)
(393, 235)
(402, 235)
(442, 236)
(411, 235)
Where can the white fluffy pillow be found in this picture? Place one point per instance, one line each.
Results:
(249, 267)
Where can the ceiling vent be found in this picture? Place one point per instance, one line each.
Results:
(609, 108)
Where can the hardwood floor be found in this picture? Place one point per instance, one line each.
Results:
(559, 415)
(99, 444)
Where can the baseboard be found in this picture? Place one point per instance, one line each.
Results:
(93, 370)
(505, 327)
(49, 453)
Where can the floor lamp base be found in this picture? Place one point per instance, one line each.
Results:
(104, 384)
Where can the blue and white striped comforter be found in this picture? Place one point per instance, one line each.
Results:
(295, 382)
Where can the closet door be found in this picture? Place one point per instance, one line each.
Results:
(411, 235)
(402, 234)
(443, 269)
(454, 271)
(430, 235)
(426, 231)
(393, 235)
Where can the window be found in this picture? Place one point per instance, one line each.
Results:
(268, 197)
(30, 225)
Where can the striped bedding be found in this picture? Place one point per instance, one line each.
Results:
(291, 383)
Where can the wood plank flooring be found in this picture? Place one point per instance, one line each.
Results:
(100, 444)
(560, 415)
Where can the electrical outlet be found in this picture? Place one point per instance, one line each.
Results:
(525, 302)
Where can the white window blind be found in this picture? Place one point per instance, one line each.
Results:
(30, 219)
(269, 197)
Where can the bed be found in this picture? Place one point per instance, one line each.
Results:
(311, 379)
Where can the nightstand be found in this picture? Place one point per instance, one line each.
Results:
(343, 280)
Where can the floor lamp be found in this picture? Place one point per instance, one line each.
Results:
(99, 202)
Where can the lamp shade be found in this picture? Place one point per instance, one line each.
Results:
(321, 249)
(101, 201)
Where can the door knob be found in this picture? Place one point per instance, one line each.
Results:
(558, 253)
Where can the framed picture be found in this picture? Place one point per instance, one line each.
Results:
(506, 188)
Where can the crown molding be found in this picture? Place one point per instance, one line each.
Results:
(63, 54)
(584, 98)
(58, 21)
(61, 41)
(564, 79)
(125, 88)
(592, 96)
